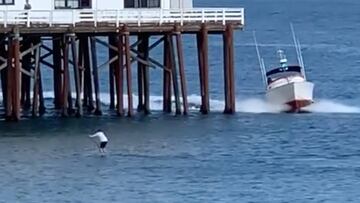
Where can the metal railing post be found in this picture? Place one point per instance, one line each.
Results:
(5, 18)
(96, 17)
(139, 18)
(51, 18)
(223, 17)
(202, 15)
(181, 17)
(27, 18)
(117, 18)
(73, 17)
(161, 16)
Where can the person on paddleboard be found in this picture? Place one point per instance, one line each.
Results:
(100, 139)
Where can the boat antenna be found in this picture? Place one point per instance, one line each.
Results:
(298, 50)
(261, 61)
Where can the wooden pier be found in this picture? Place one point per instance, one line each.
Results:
(75, 39)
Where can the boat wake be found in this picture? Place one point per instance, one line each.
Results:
(329, 106)
(319, 106)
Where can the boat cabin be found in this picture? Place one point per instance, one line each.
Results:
(92, 4)
(284, 74)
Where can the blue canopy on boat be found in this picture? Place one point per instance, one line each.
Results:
(296, 69)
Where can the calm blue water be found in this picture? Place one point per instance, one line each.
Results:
(257, 155)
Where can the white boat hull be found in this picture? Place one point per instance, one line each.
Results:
(295, 94)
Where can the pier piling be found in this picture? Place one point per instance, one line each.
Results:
(180, 60)
(119, 76)
(128, 71)
(229, 83)
(96, 76)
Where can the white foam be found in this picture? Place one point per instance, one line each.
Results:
(249, 105)
(329, 106)
(254, 105)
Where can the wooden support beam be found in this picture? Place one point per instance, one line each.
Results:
(202, 38)
(182, 70)
(119, 76)
(140, 76)
(81, 67)
(88, 86)
(174, 74)
(146, 72)
(133, 54)
(206, 106)
(43, 57)
(65, 82)
(20, 55)
(128, 71)
(35, 106)
(96, 76)
(201, 65)
(26, 77)
(230, 36)
(48, 48)
(57, 72)
(9, 81)
(42, 108)
(42, 61)
(229, 71)
(112, 53)
(17, 77)
(3, 74)
(156, 43)
(74, 52)
(167, 78)
(114, 47)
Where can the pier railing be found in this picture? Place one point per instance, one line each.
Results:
(136, 16)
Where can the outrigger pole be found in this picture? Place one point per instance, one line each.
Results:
(298, 50)
(261, 61)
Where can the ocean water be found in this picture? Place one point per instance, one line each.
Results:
(256, 155)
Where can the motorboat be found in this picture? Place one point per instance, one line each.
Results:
(287, 84)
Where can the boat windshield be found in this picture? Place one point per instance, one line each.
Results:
(283, 72)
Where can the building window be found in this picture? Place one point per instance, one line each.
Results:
(142, 4)
(7, 2)
(61, 4)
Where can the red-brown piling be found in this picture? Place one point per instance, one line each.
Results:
(35, 106)
(3, 72)
(16, 80)
(181, 69)
(229, 84)
(65, 82)
(112, 53)
(128, 71)
(88, 87)
(42, 109)
(96, 76)
(79, 106)
(9, 81)
(146, 73)
(172, 62)
(202, 42)
(167, 78)
(140, 75)
(119, 76)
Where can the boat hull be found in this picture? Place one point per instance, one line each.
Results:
(295, 95)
